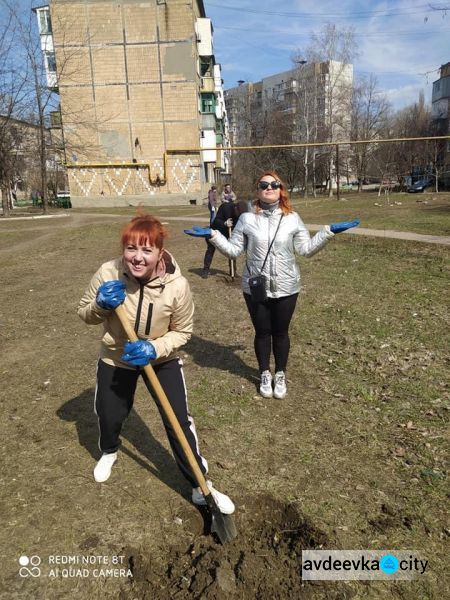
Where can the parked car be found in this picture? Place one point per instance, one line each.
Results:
(420, 186)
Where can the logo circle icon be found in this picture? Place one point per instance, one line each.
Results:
(34, 571)
(389, 564)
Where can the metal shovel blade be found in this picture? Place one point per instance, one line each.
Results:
(221, 524)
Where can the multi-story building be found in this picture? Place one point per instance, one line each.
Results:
(320, 92)
(440, 106)
(308, 104)
(140, 94)
(20, 148)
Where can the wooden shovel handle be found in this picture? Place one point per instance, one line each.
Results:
(231, 260)
(168, 410)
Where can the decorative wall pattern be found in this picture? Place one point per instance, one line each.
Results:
(183, 176)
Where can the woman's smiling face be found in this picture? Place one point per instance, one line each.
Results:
(141, 260)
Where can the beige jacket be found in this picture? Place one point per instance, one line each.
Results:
(161, 311)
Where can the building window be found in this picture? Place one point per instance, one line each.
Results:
(45, 24)
(51, 62)
(208, 103)
(205, 67)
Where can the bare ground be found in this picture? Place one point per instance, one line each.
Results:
(353, 458)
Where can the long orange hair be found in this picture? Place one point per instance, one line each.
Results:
(285, 203)
(142, 230)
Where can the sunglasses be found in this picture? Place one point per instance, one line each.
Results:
(263, 185)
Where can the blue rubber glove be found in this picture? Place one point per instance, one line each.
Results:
(110, 294)
(340, 227)
(196, 231)
(138, 353)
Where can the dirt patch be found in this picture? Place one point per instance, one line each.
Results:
(263, 562)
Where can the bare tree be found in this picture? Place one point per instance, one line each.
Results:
(40, 101)
(13, 100)
(335, 49)
(370, 110)
(39, 98)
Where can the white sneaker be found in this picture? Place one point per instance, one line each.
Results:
(224, 503)
(103, 468)
(280, 389)
(265, 389)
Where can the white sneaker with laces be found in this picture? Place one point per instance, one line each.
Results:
(265, 388)
(103, 468)
(280, 389)
(224, 503)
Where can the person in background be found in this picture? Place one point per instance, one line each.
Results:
(270, 236)
(158, 303)
(228, 195)
(212, 203)
(226, 218)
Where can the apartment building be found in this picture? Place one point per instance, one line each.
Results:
(140, 95)
(320, 92)
(440, 106)
(21, 157)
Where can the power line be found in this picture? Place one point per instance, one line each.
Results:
(362, 35)
(315, 15)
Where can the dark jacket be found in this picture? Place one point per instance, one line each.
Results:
(226, 211)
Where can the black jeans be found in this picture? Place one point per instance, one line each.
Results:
(271, 321)
(114, 399)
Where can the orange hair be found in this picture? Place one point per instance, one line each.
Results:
(285, 203)
(144, 230)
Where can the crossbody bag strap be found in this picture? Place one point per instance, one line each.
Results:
(270, 247)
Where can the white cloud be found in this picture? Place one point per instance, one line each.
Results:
(405, 95)
(396, 43)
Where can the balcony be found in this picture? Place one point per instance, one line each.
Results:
(207, 84)
(208, 121)
(207, 103)
(204, 32)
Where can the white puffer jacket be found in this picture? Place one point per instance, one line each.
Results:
(254, 232)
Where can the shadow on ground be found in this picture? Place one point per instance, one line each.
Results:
(157, 460)
(214, 355)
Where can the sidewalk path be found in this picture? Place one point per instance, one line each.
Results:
(398, 235)
(384, 233)
(33, 217)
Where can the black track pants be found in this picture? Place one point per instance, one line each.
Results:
(114, 399)
(209, 254)
(271, 321)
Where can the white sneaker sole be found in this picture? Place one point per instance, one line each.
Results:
(279, 396)
(266, 394)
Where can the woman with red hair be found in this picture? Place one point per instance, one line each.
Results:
(158, 302)
(270, 236)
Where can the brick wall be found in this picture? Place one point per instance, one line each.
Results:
(126, 94)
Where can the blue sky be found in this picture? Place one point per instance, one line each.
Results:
(403, 43)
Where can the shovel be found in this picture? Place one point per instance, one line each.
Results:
(231, 261)
(221, 524)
